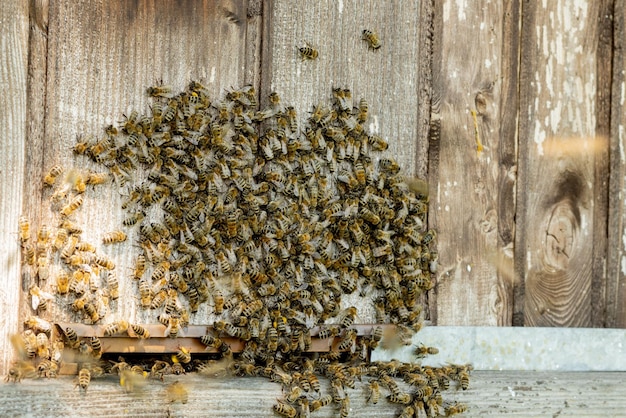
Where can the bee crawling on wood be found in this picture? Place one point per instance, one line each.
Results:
(308, 52)
(371, 37)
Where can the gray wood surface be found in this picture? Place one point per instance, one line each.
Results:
(13, 119)
(522, 394)
(466, 182)
(616, 259)
(559, 188)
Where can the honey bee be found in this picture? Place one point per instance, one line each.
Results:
(116, 328)
(285, 409)
(456, 408)
(463, 376)
(138, 331)
(160, 91)
(348, 340)
(96, 346)
(348, 316)
(50, 178)
(43, 345)
(74, 204)
(373, 42)
(39, 298)
(308, 52)
(422, 351)
(321, 402)
(38, 324)
(373, 392)
(173, 328)
(182, 356)
(24, 229)
(177, 392)
(63, 283)
(97, 178)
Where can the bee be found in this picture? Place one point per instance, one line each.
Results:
(38, 325)
(294, 394)
(173, 327)
(138, 331)
(376, 336)
(348, 340)
(63, 283)
(402, 397)
(84, 377)
(285, 409)
(373, 42)
(104, 261)
(348, 317)
(140, 267)
(463, 376)
(373, 394)
(182, 356)
(72, 206)
(272, 339)
(456, 408)
(159, 91)
(50, 178)
(321, 402)
(115, 328)
(422, 351)
(177, 392)
(24, 229)
(42, 343)
(91, 311)
(308, 52)
(344, 411)
(39, 298)
(96, 346)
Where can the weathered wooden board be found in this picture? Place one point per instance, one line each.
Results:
(522, 394)
(616, 258)
(101, 59)
(562, 164)
(469, 72)
(387, 78)
(13, 117)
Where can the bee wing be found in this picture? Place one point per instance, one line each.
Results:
(35, 301)
(131, 332)
(168, 329)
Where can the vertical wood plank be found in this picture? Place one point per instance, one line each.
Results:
(387, 78)
(616, 266)
(13, 111)
(102, 57)
(465, 208)
(558, 152)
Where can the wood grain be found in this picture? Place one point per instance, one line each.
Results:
(13, 116)
(558, 152)
(616, 258)
(466, 183)
(520, 394)
(101, 59)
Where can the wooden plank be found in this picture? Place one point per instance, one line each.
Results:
(387, 78)
(101, 60)
(467, 183)
(560, 160)
(616, 264)
(13, 116)
(521, 394)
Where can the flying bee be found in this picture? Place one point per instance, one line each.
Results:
(74, 204)
(138, 331)
(116, 328)
(308, 52)
(50, 178)
(177, 392)
(373, 42)
(84, 377)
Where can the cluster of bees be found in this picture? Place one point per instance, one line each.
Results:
(260, 226)
(308, 52)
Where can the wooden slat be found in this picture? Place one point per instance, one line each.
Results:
(387, 78)
(13, 117)
(561, 154)
(521, 394)
(101, 60)
(616, 265)
(466, 183)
